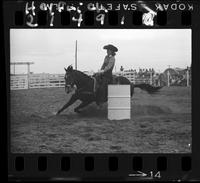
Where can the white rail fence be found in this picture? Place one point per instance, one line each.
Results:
(18, 82)
(44, 80)
(24, 81)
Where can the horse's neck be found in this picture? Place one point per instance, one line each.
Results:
(81, 80)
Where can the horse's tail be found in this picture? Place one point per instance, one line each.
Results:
(147, 87)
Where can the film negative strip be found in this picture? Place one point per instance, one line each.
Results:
(102, 90)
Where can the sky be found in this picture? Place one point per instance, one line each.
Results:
(53, 49)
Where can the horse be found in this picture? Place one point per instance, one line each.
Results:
(84, 87)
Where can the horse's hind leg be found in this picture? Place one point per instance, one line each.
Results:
(83, 104)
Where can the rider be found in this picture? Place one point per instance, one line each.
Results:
(105, 74)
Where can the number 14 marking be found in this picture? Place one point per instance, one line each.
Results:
(157, 175)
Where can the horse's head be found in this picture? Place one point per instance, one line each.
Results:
(69, 79)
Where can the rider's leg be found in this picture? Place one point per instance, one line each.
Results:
(105, 95)
(103, 90)
(98, 92)
(98, 95)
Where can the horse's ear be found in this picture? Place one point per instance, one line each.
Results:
(65, 69)
(70, 68)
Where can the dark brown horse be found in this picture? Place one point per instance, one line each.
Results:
(84, 89)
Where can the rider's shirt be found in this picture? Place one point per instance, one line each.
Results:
(108, 65)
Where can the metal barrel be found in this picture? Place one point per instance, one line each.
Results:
(119, 102)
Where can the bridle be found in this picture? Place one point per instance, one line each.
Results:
(69, 85)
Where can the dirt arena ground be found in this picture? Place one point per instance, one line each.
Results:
(160, 123)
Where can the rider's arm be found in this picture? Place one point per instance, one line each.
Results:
(111, 64)
(102, 67)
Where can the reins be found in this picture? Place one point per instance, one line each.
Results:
(95, 81)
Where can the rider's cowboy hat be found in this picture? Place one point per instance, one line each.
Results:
(110, 47)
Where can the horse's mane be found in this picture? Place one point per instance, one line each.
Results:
(81, 73)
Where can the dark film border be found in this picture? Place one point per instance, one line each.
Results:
(76, 167)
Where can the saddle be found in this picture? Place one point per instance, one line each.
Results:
(98, 81)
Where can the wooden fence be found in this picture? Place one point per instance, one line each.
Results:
(46, 80)
(18, 82)
(24, 81)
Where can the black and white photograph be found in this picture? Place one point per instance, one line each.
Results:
(100, 90)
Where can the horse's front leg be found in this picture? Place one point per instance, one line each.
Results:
(70, 102)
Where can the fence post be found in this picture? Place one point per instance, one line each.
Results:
(168, 79)
(151, 78)
(28, 78)
(47, 78)
(188, 77)
(28, 69)
(158, 82)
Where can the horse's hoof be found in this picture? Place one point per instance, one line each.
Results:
(77, 111)
(56, 113)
